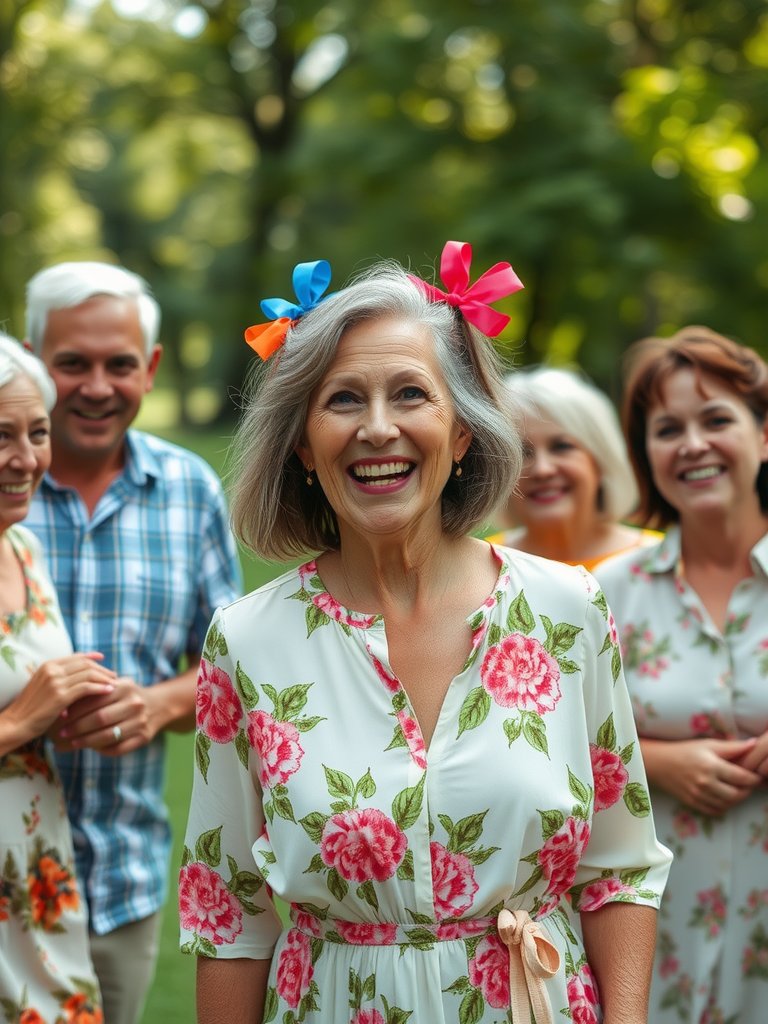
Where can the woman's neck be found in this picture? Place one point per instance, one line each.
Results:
(724, 541)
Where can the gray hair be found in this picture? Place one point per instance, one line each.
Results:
(588, 415)
(274, 513)
(15, 361)
(66, 285)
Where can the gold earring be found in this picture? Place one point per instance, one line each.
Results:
(309, 477)
(458, 471)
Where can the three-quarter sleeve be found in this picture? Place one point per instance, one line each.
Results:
(225, 907)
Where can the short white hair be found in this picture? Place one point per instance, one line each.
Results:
(587, 414)
(16, 361)
(66, 285)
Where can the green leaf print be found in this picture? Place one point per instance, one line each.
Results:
(202, 755)
(560, 637)
(367, 893)
(300, 595)
(8, 656)
(534, 880)
(481, 854)
(535, 732)
(315, 617)
(313, 824)
(474, 710)
(551, 822)
(243, 748)
(291, 700)
(271, 1005)
(315, 865)
(405, 872)
(471, 1007)
(282, 804)
(406, 807)
(494, 634)
(633, 876)
(393, 1014)
(398, 739)
(466, 832)
(460, 985)
(248, 693)
(568, 667)
(513, 727)
(337, 887)
(636, 799)
(186, 856)
(600, 602)
(520, 617)
(578, 789)
(626, 753)
(607, 645)
(211, 644)
(339, 784)
(421, 938)
(369, 987)
(305, 724)
(606, 735)
(616, 663)
(208, 847)
(366, 787)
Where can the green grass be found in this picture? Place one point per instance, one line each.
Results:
(172, 996)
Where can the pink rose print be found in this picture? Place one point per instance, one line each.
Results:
(278, 747)
(334, 610)
(685, 824)
(413, 738)
(560, 855)
(362, 845)
(307, 923)
(460, 929)
(365, 934)
(390, 681)
(453, 882)
(518, 673)
(711, 910)
(217, 706)
(489, 971)
(669, 965)
(206, 906)
(294, 968)
(367, 1017)
(596, 894)
(610, 776)
(582, 997)
(613, 630)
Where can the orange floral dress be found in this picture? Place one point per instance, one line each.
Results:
(46, 975)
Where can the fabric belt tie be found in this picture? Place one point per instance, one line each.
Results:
(532, 958)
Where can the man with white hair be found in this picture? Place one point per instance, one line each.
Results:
(136, 535)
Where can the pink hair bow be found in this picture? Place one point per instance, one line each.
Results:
(472, 300)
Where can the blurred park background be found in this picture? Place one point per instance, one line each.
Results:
(613, 150)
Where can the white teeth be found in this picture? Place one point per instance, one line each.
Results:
(704, 473)
(91, 415)
(369, 472)
(14, 488)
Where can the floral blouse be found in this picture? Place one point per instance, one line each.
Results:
(312, 782)
(689, 679)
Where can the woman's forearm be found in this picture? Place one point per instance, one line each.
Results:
(620, 940)
(231, 991)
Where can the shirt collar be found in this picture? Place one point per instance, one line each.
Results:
(665, 557)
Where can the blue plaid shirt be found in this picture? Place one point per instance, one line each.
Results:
(139, 581)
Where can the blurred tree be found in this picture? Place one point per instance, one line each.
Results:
(614, 151)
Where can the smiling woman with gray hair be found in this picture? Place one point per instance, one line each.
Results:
(45, 966)
(577, 482)
(379, 729)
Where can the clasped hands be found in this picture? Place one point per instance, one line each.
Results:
(713, 775)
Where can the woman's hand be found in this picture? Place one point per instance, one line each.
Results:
(756, 759)
(708, 775)
(51, 689)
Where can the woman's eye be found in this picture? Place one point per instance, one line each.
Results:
(412, 392)
(563, 446)
(719, 421)
(342, 398)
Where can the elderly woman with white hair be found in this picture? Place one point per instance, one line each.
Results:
(577, 483)
(420, 742)
(45, 967)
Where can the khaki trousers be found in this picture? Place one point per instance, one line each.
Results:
(125, 964)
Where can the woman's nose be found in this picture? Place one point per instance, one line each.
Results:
(378, 424)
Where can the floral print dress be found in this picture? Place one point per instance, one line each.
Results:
(312, 782)
(46, 976)
(688, 679)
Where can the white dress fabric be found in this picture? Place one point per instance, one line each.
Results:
(688, 679)
(46, 975)
(312, 776)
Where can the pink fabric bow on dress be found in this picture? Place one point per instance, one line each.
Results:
(472, 300)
